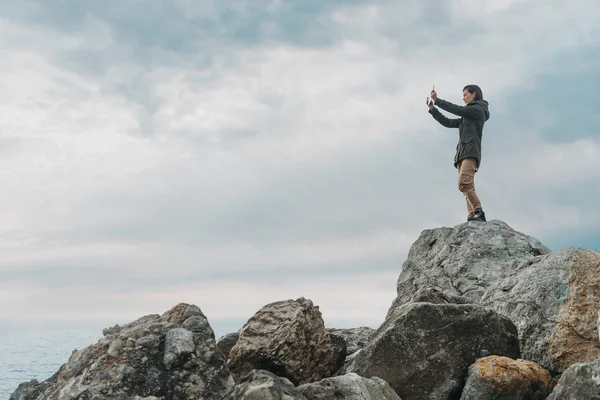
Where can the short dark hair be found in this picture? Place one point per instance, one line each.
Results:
(474, 89)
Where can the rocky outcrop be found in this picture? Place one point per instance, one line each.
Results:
(287, 338)
(168, 356)
(424, 350)
(502, 378)
(580, 381)
(263, 385)
(349, 387)
(462, 262)
(553, 300)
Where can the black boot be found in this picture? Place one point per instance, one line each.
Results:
(478, 215)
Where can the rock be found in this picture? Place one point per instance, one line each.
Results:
(339, 352)
(349, 387)
(226, 342)
(263, 385)
(461, 262)
(580, 381)
(424, 350)
(287, 338)
(502, 378)
(355, 338)
(553, 300)
(168, 356)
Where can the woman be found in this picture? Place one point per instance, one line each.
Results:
(468, 150)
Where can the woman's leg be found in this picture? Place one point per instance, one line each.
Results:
(466, 183)
(470, 209)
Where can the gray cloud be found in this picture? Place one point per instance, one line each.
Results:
(180, 151)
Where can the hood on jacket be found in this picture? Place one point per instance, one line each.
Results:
(483, 104)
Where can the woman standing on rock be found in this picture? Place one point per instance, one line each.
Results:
(468, 150)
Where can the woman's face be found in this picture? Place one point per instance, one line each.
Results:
(468, 97)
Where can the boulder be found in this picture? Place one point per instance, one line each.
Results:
(462, 262)
(580, 381)
(287, 338)
(168, 356)
(349, 387)
(502, 378)
(553, 300)
(263, 385)
(424, 350)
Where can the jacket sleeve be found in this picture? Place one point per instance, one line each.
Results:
(442, 119)
(470, 112)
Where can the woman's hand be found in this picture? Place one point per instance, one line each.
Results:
(429, 103)
(434, 95)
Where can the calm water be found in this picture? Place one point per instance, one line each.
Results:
(37, 350)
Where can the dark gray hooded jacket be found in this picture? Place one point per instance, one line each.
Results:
(470, 126)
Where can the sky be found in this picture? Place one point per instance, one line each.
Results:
(232, 154)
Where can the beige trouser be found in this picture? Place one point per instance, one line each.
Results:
(466, 183)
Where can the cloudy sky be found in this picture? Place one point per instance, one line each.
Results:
(234, 153)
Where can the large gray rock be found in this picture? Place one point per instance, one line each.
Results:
(580, 381)
(287, 338)
(502, 378)
(424, 350)
(169, 356)
(263, 385)
(349, 387)
(553, 300)
(462, 262)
